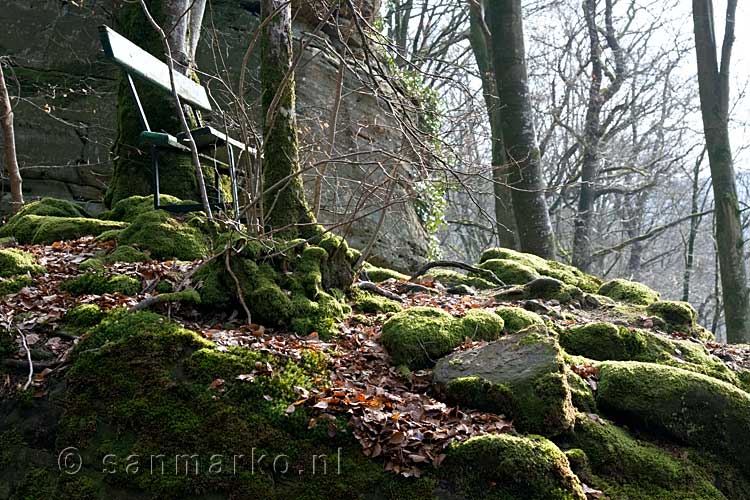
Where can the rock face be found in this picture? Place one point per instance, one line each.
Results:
(521, 375)
(65, 123)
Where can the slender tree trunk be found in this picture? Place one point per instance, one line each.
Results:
(9, 146)
(504, 19)
(505, 222)
(132, 174)
(284, 204)
(713, 80)
(693, 234)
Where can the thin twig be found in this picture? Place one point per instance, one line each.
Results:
(240, 292)
(28, 357)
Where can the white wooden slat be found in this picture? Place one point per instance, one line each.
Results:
(137, 61)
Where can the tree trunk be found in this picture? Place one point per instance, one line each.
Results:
(713, 81)
(504, 19)
(284, 205)
(9, 146)
(505, 222)
(132, 167)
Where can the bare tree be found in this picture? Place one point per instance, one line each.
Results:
(713, 82)
(9, 146)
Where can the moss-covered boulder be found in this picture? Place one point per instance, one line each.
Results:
(480, 324)
(687, 407)
(516, 318)
(96, 283)
(509, 271)
(52, 207)
(33, 229)
(551, 289)
(520, 375)
(628, 468)
(676, 314)
(128, 209)
(83, 316)
(449, 279)
(581, 393)
(380, 274)
(125, 253)
(629, 292)
(14, 262)
(511, 467)
(567, 274)
(164, 237)
(605, 341)
(370, 303)
(14, 284)
(419, 336)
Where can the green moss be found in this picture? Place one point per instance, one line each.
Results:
(128, 209)
(164, 237)
(580, 392)
(624, 467)
(452, 278)
(125, 253)
(83, 316)
(98, 284)
(53, 207)
(563, 272)
(370, 303)
(510, 467)
(32, 229)
(676, 314)
(418, 336)
(380, 274)
(93, 264)
(510, 271)
(110, 235)
(482, 325)
(14, 261)
(687, 407)
(517, 319)
(14, 284)
(605, 341)
(552, 289)
(477, 392)
(629, 292)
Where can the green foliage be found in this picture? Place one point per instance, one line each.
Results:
(517, 319)
(504, 466)
(14, 261)
(98, 284)
(629, 292)
(164, 237)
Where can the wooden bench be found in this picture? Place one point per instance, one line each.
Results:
(135, 61)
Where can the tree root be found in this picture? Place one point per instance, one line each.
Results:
(369, 286)
(484, 273)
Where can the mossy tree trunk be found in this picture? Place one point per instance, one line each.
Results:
(132, 166)
(504, 19)
(713, 82)
(505, 223)
(284, 206)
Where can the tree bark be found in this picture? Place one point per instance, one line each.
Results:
(9, 146)
(505, 223)
(713, 82)
(284, 204)
(132, 168)
(504, 19)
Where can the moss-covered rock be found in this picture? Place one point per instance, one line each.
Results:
(128, 209)
(32, 229)
(14, 262)
(567, 274)
(380, 274)
(163, 237)
(581, 393)
(687, 407)
(450, 279)
(676, 314)
(480, 324)
(98, 283)
(629, 292)
(52, 207)
(370, 303)
(520, 375)
(551, 289)
(419, 336)
(511, 467)
(93, 264)
(83, 316)
(125, 253)
(517, 319)
(625, 467)
(510, 271)
(14, 284)
(605, 341)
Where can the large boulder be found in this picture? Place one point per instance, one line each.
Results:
(687, 407)
(520, 375)
(629, 292)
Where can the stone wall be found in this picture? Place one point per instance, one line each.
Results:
(65, 117)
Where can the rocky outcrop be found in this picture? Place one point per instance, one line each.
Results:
(65, 121)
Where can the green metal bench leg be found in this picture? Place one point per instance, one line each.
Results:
(155, 176)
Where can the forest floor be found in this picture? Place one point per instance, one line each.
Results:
(395, 415)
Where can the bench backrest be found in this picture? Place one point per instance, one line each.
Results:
(137, 61)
